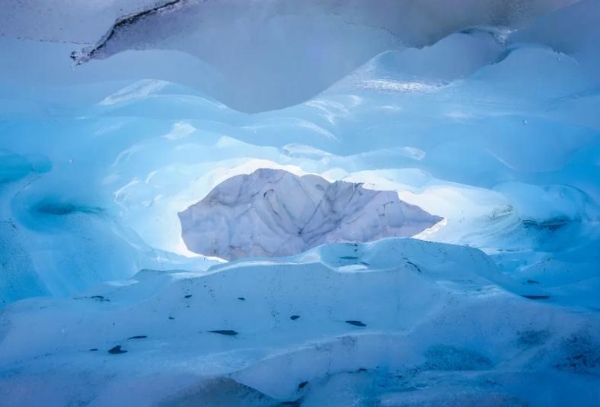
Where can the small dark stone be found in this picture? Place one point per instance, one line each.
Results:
(138, 337)
(188, 296)
(241, 299)
(302, 385)
(93, 350)
(226, 332)
(356, 323)
(536, 297)
(294, 317)
(117, 350)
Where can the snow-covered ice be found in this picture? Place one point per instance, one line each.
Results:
(276, 213)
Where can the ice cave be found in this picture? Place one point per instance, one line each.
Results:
(299, 203)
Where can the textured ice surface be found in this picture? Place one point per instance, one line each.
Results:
(397, 322)
(270, 53)
(276, 213)
(493, 128)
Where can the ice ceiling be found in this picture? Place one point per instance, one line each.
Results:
(479, 115)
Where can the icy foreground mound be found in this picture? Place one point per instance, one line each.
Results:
(397, 322)
(274, 213)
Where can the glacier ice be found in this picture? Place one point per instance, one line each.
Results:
(409, 296)
(271, 53)
(482, 113)
(276, 213)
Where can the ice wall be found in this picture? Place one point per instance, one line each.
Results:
(491, 129)
(483, 113)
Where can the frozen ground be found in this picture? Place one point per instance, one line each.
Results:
(481, 113)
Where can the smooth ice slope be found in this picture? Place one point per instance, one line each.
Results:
(397, 321)
(274, 213)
